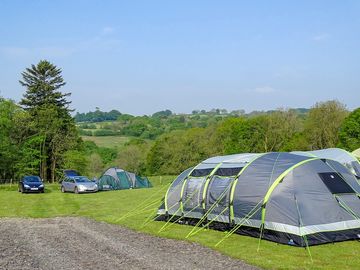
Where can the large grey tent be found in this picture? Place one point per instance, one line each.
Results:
(115, 178)
(292, 198)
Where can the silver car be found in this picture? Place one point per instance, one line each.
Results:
(78, 184)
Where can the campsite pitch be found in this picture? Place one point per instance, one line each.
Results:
(125, 208)
(81, 243)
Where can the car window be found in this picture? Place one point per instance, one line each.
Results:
(82, 179)
(32, 179)
(67, 180)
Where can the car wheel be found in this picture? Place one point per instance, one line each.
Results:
(76, 190)
(62, 189)
(22, 189)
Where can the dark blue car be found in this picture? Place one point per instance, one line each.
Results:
(31, 183)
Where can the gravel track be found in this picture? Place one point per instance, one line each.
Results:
(81, 243)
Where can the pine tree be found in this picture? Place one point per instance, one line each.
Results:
(49, 111)
(43, 82)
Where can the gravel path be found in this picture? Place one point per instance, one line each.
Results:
(81, 243)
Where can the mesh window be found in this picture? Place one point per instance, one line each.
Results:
(228, 171)
(335, 183)
(201, 172)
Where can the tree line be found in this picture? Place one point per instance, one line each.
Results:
(39, 136)
(327, 124)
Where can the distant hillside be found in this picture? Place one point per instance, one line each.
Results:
(100, 116)
(114, 123)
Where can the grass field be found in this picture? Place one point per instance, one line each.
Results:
(113, 207)
(107, 141)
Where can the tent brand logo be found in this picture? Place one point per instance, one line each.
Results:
(332, 176)
(291, 242)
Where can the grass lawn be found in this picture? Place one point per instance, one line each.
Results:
(107, 141)
(113, 206)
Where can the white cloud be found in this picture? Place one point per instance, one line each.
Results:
(321, 37)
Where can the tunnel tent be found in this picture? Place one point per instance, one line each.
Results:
(283, 197)
(344, 157)
(115, 178)
(356, 153)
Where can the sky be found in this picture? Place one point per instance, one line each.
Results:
(140, 57)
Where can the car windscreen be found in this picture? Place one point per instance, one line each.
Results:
(81, 180)
(32, 179)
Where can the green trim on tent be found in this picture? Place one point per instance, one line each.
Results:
(207, 181)
(276, 182)
(182, 191)
(232, 192)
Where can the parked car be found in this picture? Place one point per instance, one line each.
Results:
(31, 183)
(78, 184)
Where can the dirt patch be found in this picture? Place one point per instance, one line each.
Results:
(81, 243)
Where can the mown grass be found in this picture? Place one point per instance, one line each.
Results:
(107, 141)
(113, 207)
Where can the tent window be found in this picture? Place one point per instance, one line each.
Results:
(201, 172)
(335, 183)
(228, 171)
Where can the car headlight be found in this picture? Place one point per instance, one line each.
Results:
(26, 186)
(41, 186)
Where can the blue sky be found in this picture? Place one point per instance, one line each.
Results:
(144, 56)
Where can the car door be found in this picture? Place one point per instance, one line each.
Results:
(67, 184)
(64, 184)
(71, 184)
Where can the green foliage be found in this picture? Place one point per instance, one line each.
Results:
(239, 135)
(30, 156)
(350, 131)
(87, 126)
(133, 158)
(162, 114)
(102, 132)
(9, 151)
(97, 116)
(95, 165)
(45, 130)
(83, 132)
(76, 160)
(178, 150)
(42, 82)
(107, 154)
(323, 124)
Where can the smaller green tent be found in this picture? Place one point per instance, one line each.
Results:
(115, 178)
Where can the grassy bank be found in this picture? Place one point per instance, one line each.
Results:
(113, 207)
